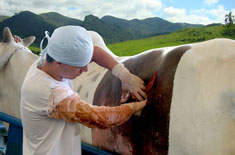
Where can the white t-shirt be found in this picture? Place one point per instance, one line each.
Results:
(42, 134)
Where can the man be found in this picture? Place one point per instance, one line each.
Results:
(51, 110)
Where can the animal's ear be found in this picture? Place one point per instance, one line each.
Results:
(29, 40)
(7, 36)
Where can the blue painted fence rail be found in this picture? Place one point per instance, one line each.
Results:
(15, 138)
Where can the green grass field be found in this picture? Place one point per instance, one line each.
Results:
(185, 36)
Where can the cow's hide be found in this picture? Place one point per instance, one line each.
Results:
(203, 102)
(147, 134)
(15, 60)
(190, 107)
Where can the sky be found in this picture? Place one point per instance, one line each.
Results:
(183, 11)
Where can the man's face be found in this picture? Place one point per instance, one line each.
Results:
(71, 72)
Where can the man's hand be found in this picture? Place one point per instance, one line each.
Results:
(130, 83)
(137, 107)
(134, 85)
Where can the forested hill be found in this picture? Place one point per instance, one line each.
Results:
(111, 28)
(3, 18)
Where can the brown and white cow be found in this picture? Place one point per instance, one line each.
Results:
(190, 107)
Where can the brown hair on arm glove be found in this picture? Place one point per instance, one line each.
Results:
(67, 105)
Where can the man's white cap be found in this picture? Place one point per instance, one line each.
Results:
(71, 45)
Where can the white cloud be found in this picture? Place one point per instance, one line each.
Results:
(218, 13)
(201, 16)
(181, 16)
(79, 9)
(172, 12)
(126, 9)
(210, 2)
(233, 11)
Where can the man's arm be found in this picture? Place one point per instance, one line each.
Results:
(103, 58)
(67, 105)
(130, 82)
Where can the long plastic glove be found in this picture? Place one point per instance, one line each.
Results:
(130, 82)
(66, 104)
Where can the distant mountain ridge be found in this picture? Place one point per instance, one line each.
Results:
(112, 29)
(26, 24)
(3, 18)
(59, 20)
(148, 26)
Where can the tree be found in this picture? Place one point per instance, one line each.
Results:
(229, 28)
(229, 18)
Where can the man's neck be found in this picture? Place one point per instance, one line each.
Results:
(50, 69)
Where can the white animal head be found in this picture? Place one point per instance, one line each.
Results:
(8, 46)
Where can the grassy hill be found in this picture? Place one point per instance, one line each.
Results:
(185, 36)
